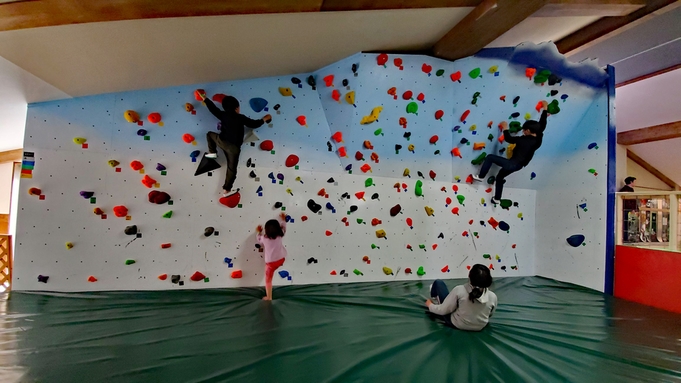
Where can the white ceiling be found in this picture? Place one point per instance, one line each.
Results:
(540, 29)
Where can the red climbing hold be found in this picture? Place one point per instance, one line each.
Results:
(338, 137)
(433, 140)
(359, 156)
(292, 160)
(328, 233)
(468, 267)
(410, 223)
(374, 157)
(408, 95)
(439, 114)
(465, 233)
(448, 201)
(455, 211)
(465, 115)
(158, 197)
(434, 246)
(432, 175)
(488, 190)
(236, 274)
(336, 95)
(333, 272)
(267, 145)
(218, 97)
(376, 221)
(98, 211)
(328, 80)
(148, 181)
(197, 276)
(445, 269)
(91, 279)
(322, 192)
(426, 68)
(493, 222)
(303, 218)
(469, 179)
(198, 94)
(513, 246)
(539, 106)
(382, 59)
(398, 63)
(455, 188)
(407, 270)
(120, 211)
(163, 277)
(302, 120)
(470, 222)
(491, 266)
(421, 97)
(359, 195)
(365, 168)
(231, 201)
(188, 138)
(403, 122)
(165, 246)
(136, 165)
(529, 72)
(456, 76)
(342, 152)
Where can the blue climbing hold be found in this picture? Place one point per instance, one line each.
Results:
(284, 274)
(593, 145)
(195, 153)
(575, 240)
(258, 104)
(504, 226)
(533, 175)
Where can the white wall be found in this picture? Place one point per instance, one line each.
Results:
(5, 186)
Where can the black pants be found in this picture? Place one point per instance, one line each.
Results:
(232, 153)
(507, 167)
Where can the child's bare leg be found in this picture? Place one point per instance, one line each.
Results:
(268, 289)
(269, 273)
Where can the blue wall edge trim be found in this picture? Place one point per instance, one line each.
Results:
(611, 187)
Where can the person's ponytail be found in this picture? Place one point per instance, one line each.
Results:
(475, 294)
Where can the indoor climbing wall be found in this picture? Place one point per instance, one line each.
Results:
(369, 158)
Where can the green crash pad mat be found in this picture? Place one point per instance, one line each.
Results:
(543, 331)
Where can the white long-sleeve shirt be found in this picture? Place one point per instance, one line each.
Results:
(467, 315)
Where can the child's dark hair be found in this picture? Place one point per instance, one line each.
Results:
(229, 104)
(273, 229)
(481, 279)
(629, 180)
(532, 126)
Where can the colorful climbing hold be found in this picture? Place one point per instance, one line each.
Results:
(576, 240)
(475, 73)
(413, 108)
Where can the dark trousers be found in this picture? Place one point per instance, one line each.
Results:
(439, 289)
(507, 167)
(232, 153)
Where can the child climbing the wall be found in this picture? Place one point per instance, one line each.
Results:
(231, 135)
(275, 252)
(525, 146)
(468, 307)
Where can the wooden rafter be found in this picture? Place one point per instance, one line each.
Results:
(650, 134)
(652, 170)
(564, 8)
(11, 155)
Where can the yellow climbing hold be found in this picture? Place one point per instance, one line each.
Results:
(375, 113)
(429, 211)
(113, 163)
(69, 245)
(79, 140)
(473, 127)
(509, 151)
(380, 233)
(528, 116)
(350, 97)
(286, 92)
(387, 271)
(493, 69)
(405, 173)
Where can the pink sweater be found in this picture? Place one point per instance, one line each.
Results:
(274, 248)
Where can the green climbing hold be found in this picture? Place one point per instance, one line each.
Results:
(553, 107)
(539, 79)
(592, 171)
(460, 198)
(475, 73)
(373, 246)
(491, 180)
(168, 214)
(440, 72)
(514, 127)
(475, 233)
(129, 261)
(413, 107)
(418, 188)
(357, 272)
(360, 220)
(369, 182)
(487, 256)
(490, 137)
(420, 271)
(506, 203)
(479, 159)
(422, 246)
(378, 131)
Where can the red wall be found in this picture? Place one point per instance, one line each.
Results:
(650, 277)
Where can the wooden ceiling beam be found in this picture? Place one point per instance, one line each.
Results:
(608, 27)
(602, 8)
(652, 170)
(364, 5)
(650, 134)
(11, 155)
(489, 20)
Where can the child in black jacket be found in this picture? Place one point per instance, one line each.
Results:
(525, 146)
(231, 135)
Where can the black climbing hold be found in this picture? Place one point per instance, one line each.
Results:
(504, 226)
(436, 152)
(43, 278)
(420, 174)
(252, 174)
(329, 146)
(208, 231)
(257, 246)
(331, 180)
(174, 278)
(398, 147)
(482, 222)
(441, 236)
(554, 92)
(553, 79)
(406, 134)
(276, 107)
(374, 196)
(295, 80)
(353, 208)
(491, 180)
(131, 230)
(346, 195)
(395, 210)
(515, 115)
(311, 260)
(354, 70)
(345, 82)
(311, 82)
(248, 163)
(206, 165)
(516, 99)
(342, 272)
(278, 205)
(315, 207)
(464, 141)
(502, 150)
(515, 204)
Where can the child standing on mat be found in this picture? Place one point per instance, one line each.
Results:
(275, 252)
(525, 146)
(468, 307)
(231, 135)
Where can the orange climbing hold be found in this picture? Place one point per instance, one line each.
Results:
(403, 122)
(199, 94)
(393, 92)
(367, 145)
(376, 221)
(501, 139)
(35, 191)
(529, 72)
(456, 152)
(188, 138)
(374, 157)
(478, 146)
(365, 168)
(148, 181)
(322, 193)
(120, 211)
(136, 165)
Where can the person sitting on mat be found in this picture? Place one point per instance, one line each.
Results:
(525, 146)
(275, 252)
(231, 135)
(468, 307)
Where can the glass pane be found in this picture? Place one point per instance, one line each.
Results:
(646, 221)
